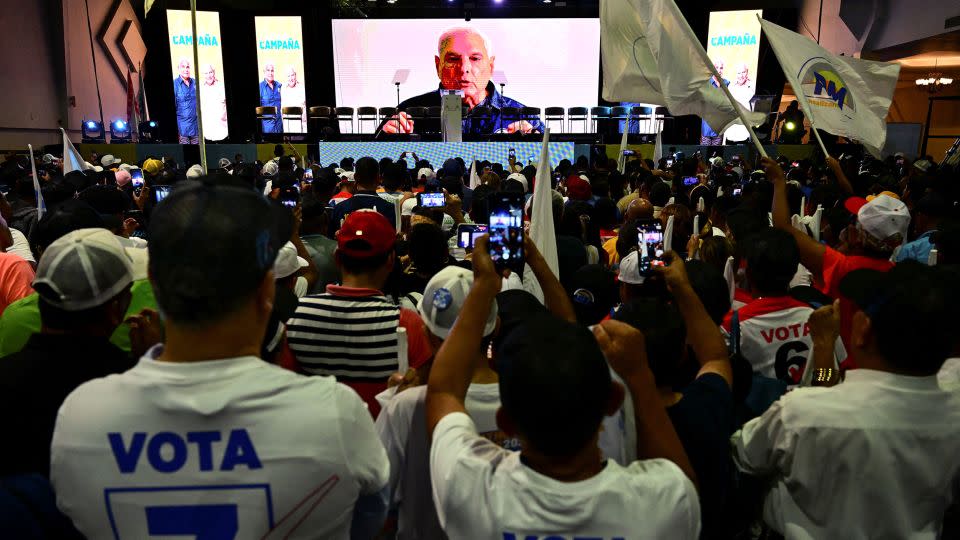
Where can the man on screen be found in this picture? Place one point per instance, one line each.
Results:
(213, 105)
(464, 62)
(185, 95)
(742, 88)
(270, 97)
(294, 95)
(710, 137)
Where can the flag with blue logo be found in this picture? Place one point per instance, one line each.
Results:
(842, 95)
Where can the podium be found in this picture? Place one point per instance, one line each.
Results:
(451, 115)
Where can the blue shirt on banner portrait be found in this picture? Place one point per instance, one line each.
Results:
(185, 95)
(270, 97)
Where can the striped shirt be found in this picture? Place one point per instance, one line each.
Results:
(351, 334)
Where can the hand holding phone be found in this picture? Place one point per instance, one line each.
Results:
(431, 200)
(650, 243)
(136, 178)
(506, 231)
(289, 196)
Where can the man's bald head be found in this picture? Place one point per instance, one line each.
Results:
(448, 36)
(639, 209)
(464, 62)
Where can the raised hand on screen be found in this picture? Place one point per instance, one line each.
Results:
(519, 127)
(399, 123)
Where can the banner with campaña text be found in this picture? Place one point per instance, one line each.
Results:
(842, 95)
(280, 67)
(213, 100)
(734, 46)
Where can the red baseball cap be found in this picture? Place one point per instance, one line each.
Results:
(578, 189)
(365, 233)
(854, 204)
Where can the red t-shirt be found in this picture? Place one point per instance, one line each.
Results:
(836, 266)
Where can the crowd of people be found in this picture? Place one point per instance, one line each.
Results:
(300, 350)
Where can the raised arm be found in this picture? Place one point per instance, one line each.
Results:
(811, 251)
(842, 180)
(702, 334)
(554, 295)
(453, 364)
(626, 351)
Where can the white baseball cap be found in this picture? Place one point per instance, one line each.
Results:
(109, 160)
(195, 171)
(288, 262)
(83, 269)
(426, 173)
(519, 177)
(270, 168)
(408, 205)
(884, 217)
(630, 269)
(443, 300)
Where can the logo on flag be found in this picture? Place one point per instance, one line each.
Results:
(824, 88)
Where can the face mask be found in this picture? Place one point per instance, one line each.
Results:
(300, 288)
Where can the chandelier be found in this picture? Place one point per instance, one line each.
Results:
(934, 82)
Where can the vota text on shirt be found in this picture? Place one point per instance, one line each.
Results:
(168, 452)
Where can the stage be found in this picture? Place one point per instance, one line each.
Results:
(435, 152)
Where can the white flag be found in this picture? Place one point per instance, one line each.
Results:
(649, 56)
(658, 150)
(71, 158)
(843, 95)
(41, 206)
(541, 219)
(474, 177)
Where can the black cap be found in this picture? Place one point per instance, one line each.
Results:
(871, 290)
(594, 293)
(206, 239)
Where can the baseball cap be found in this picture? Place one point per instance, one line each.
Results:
(270, 168)
(923, 165)
(519, 177)
(47, 159)
(578, 189)
(108, 160)
(451, 167)
(123, 177)
(207, 238)
(224, 163)
(426, 173)
(630, 269)
(288, 262)
(887, 193)
(195, 171)
(365, 233)
(870, 289)
(443, 299)
(83, 269)
(153, 166)
(87, 166)
(594, 293)
(408, 205)
(884, 217)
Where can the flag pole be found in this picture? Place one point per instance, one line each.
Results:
(816, 134)
(726, 91)
(196, 87)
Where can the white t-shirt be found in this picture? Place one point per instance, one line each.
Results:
(294, 96)
(213, 107)
(402, 426)
(232, 446)
(485, 492)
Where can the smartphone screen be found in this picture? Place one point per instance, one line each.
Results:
(506, 230)
(737, 191)
(160, 193)
(650, 240)
(669, 162)
(795, 164)
(513, 153)
(308, 175)
(136, 177)
(467, 234)
(629, 152)
(430, 200)
(289, 196)
(690, 180)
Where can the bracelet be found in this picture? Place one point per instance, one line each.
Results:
(822, 376)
